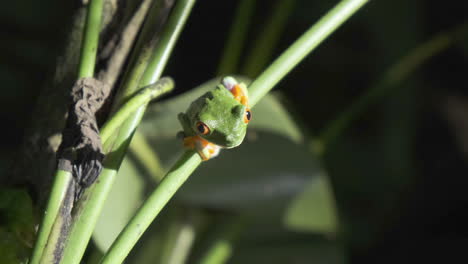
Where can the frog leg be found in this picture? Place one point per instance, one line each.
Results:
(205, 149)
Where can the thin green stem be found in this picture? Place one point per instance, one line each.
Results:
(394, 75)
(302, 47)
(144, 48)
(190, 160)
(90, 208)
(145, 154)
(90, 40)
(153, 205)
(61, 181)
(236, 38)
(261, 52)
(179, 239)
(142, 98)
(222, 245)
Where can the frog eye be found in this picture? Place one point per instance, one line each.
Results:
(247, 116)
(203, 128)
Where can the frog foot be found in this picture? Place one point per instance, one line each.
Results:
(205, 149)
(235, 88)
(239, 95)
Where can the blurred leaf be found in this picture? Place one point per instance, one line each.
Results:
(313, 209)
(11, 250)
(123, 200)
(16, 214)
(17, 225)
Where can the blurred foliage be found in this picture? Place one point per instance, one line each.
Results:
(17, 226)
(398, 174)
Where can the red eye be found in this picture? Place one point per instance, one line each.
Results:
(202, 128)
(247, 116)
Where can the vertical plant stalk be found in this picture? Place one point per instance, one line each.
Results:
(59, 188)
(90, 41)
(236, 39)
(190, 160)
(51, 226)
(89, 209)
(261, 52)
(164, 85)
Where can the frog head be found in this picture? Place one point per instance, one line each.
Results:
(218, 116)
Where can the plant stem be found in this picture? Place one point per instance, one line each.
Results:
(89, 209)
(145, 154)
(62, 178)
(61, 181)
(260, 54)
(190, 160)
(89, 44)
(221, 247)
(177, 175)
(142, 98)
(301, 48)
(236, 39)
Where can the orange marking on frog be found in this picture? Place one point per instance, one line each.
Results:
(207, 149)
(239, 95)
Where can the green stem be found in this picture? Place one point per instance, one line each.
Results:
(179, 238)
(142, 98)
(90, 208)
(262, 50)
(145, 154)
(90, 39)
(302, 47)
(177, 175)
(61, 181)
(191, 160)
(236, 39)
(398, 72)
(221, 247)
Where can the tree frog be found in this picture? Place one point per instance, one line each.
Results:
(218, 119)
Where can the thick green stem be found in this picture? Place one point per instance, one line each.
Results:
(261, 52)
(90, 40)
(177, 175)
(63, 179)
(236, 39)
(302, 47)
(88, 210)
(59, 189)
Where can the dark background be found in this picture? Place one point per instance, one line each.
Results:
(399, 172)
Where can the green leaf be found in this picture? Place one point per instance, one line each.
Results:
(17, 225)
(314, 209)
